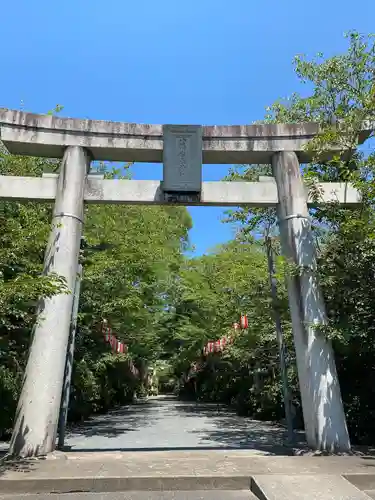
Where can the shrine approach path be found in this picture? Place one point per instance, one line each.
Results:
(163, 422)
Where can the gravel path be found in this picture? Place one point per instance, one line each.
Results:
(166, 423)
(163, 422)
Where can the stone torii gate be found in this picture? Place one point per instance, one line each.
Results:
(183, 150)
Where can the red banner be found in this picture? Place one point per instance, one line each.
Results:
(219, 345)
(116, 345)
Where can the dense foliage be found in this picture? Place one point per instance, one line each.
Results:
(166, 306)
(231, 280)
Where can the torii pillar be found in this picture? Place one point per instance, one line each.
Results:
(323, 413)
(35, 427)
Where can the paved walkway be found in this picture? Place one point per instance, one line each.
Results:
(198, 448)
(166, 423)
(180, 471)
(140, 495)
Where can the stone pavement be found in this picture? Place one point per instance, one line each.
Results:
(173, 470)
(140, 495)
(167, 449)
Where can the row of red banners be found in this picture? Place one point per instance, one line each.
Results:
(117, 346)
(219, 345)
(210, 347)
(109, 337)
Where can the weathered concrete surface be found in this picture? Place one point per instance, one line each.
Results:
(166, 423)
(160, 470)
(35, 425)
(252, 194)
(323, 411)
(140, 495)
(304, 487)
(44, 135)
(362, 481)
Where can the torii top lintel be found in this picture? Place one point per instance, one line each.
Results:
(48, 136)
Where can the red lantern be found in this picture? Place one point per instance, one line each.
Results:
(244, 321)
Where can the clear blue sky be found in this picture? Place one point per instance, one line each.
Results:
(167, 61)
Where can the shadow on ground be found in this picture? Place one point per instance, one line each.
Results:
(115, 422)
(17, 464)
(214, 427)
